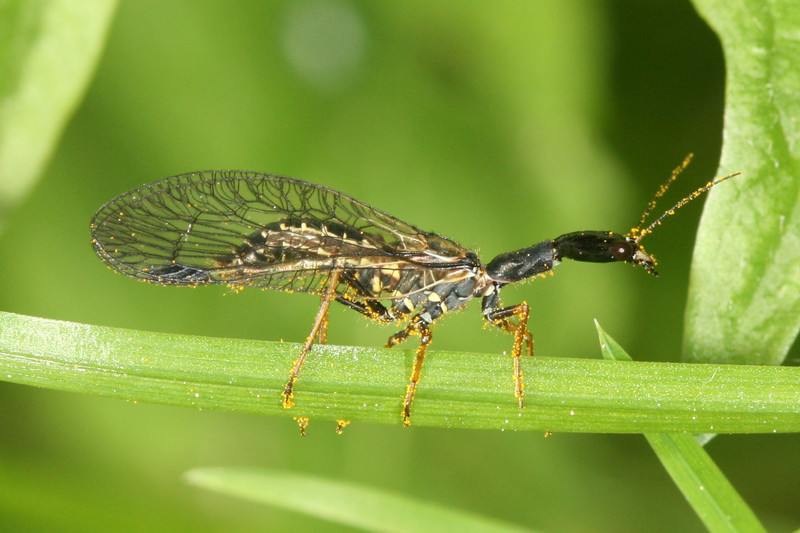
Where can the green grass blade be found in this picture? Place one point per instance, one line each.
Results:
(705, 487)
(466, 390)
(369, 508)
(744, 303)
(48, 51)
(703, 484)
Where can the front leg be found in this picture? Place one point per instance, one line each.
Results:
(501, 317)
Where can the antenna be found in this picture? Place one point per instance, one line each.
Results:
(637, 233)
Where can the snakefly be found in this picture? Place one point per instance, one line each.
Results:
(248, 229)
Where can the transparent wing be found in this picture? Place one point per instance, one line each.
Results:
(249, 228)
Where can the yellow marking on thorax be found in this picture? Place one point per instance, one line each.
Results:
(392, 273)
(376, 282)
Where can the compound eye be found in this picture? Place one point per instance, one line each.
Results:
(621, 251)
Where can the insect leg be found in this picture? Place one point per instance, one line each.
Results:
(318, 329)
(322, 333)
(417, 326)
(501, 317)
(369, 308)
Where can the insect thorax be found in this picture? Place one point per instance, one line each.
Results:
(407, 280)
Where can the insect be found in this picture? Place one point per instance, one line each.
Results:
(248, 229)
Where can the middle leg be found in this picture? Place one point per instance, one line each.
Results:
(417, 326)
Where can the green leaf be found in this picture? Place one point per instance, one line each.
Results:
(466, 390)
(48, 51)
(744, 304)
(703, 484)
(369, 508)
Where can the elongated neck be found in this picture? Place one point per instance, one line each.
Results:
(521, 264)
(590, 246)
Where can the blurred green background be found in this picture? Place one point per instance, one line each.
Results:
(498, 126)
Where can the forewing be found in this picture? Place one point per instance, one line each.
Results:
(249, 228)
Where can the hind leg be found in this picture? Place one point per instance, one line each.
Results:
(319, 330)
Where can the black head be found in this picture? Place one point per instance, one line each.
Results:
(608, 246)
(602, 247)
